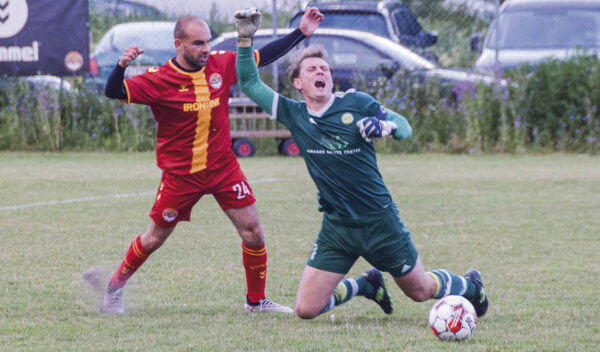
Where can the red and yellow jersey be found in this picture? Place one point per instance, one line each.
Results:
(191, 110)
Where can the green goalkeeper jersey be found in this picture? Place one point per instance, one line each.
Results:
(341, 163)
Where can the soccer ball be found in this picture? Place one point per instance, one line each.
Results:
(452, 318)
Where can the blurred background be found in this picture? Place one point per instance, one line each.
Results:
(473, 76)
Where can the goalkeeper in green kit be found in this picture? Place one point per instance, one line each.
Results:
(334, 132)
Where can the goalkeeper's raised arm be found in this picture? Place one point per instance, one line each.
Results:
(247, 22)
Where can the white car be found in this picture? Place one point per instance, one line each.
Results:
(156, 38)
(529, 31)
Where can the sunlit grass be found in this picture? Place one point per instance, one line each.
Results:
(530, 224)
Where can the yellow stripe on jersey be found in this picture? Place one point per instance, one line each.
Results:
(257, 57)
(127, 91)
(200, 144)
(200, 148)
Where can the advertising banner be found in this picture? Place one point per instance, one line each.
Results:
(44, 37)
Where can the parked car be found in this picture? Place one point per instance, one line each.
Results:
(124, 8)
(156, 38)
(355, 56)
(358, 55)
(53, 83)
(388, 18)
(529, 31)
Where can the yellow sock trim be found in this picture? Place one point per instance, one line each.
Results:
(341, 292)
(437, 282)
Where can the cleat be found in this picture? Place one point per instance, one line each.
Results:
(113, 301)
(266, 305)
(481, 303)
(380, 296)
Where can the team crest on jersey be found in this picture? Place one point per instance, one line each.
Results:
(169, 214)
(347, 118)
(215, 80)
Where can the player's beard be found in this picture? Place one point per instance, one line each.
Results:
(195, 62)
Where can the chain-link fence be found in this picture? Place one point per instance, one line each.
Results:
(555, 107)
(529, 31)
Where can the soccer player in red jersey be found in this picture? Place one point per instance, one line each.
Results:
(189, 98)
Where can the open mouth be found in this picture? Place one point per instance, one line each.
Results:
(320, 83)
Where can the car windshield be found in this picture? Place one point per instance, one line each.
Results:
(372, 22)
(556, 28)
(157, 41)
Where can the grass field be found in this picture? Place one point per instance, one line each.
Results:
(530, 224)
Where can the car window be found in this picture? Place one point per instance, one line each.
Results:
(368, 22)
(156, 40)
(231, 43)
(555, 28)
(148, 37)
(405, 23)
(351, 53)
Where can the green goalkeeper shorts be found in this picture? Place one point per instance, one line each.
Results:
(384, 242)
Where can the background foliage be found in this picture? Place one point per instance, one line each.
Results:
(555, 108)
(552, 107)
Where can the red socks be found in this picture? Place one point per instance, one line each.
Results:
(254, 257)
(134, 258)
(255, 263)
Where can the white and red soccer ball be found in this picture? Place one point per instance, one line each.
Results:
(452, 318)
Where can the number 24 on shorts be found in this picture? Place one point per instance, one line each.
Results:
(241, 189)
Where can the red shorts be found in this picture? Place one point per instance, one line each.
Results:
(177, 194)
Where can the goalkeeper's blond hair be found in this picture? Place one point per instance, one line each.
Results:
(313, 50)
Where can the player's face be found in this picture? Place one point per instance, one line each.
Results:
(193, 50)
(314, 80)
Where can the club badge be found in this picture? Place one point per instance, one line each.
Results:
(215, 80)
(169, 214)
(347, 118)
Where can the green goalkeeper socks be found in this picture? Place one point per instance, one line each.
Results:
(347, 289)
(449, 283)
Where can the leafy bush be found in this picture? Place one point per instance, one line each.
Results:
(454, 27)
(553, 108)
(41, 118)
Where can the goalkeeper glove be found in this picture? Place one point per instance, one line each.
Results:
(371, 127)
(247, 22)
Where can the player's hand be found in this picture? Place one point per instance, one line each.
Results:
(247, 22)
(129, 55)
(310, 20)
(371, 127)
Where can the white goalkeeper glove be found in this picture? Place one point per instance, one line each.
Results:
(371, 127)
(247, 22)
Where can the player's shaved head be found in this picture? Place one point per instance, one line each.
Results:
(181, 26)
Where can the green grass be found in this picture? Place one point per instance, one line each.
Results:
(530, 224)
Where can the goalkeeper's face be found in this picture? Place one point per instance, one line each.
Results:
(314, 79)
(193, 49)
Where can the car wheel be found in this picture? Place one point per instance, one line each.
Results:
(243, 147)
(289, 147)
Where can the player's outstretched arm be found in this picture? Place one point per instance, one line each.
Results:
(245, 65)
(130, 54)
(310, 21)
(114, 88)
(274, 50)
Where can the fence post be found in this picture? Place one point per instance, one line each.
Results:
(497, 30)
(275, 66)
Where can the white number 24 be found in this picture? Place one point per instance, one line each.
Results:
(241, 189)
